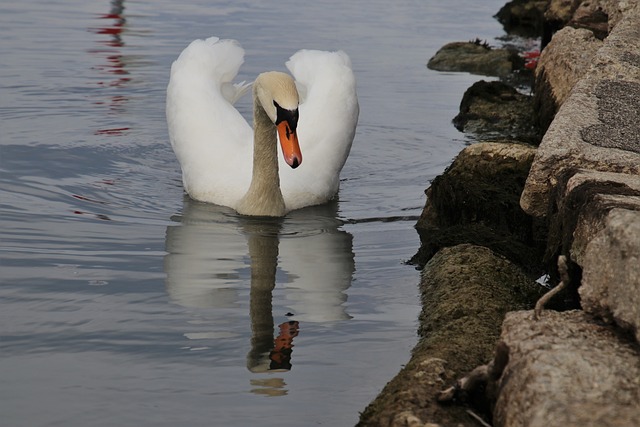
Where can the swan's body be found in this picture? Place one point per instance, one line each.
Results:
(223, 162)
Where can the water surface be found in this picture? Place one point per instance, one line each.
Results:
(122, 302)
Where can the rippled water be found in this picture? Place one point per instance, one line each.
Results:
(124, 303)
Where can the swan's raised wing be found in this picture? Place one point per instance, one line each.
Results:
(326, 128)
(210, 138)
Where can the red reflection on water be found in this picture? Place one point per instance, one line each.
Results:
(112, 64)
(116, 27)
(101, 217)
(110, 30)
(280, 356)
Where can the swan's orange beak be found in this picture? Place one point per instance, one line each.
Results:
(289, 143)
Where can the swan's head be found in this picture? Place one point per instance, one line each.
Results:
(278, 96)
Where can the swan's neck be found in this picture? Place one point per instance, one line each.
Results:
(264, 196)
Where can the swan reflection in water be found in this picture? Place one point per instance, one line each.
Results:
(213, 253)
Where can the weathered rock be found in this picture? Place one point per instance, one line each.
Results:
(523, 17)
(481, 174)
(593, 17)
(476, 200)
(611, 272)
(561, 11)
(597, 16)
(601, 113)
(589, 196)
(476, 58)
(466, 291)
(582, 201)
(600, 16)
(492, 110)
(562, 64)
(567, 370)
(556, 16)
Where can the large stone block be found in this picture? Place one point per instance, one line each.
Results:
(611, 272)
(592, 196)
(598, 126)
(564, 61)
(566, 369)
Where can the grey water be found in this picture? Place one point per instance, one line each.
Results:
(122, 302)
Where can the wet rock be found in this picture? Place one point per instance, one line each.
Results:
(611, 273)
(476, 200)
(600, 114)
(523, 17)
(493, 110)
(567, 370)
(466, 291)
(561, 65)
(476, 58)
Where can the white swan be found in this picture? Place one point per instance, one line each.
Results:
(214, 143)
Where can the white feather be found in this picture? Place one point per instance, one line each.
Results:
(214, 143)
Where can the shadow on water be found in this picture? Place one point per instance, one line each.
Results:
(306, 258)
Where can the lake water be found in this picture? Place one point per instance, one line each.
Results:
(124, 303)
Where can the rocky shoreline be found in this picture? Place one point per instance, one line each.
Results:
(555, 176)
